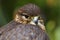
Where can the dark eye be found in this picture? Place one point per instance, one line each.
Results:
(26, 16)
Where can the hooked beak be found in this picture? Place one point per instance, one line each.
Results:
(35, 21)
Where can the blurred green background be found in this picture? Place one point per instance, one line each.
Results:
(51, 9)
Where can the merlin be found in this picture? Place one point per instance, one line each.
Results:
(27, 24)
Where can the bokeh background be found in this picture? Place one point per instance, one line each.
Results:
(51, 8)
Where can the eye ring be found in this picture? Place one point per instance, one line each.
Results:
(23, 14)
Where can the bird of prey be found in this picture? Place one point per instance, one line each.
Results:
(27, 24)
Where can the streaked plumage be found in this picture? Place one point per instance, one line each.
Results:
(25, 25)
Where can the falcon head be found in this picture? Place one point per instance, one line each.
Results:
(29, 14)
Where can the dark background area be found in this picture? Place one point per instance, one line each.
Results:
(51, 9)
